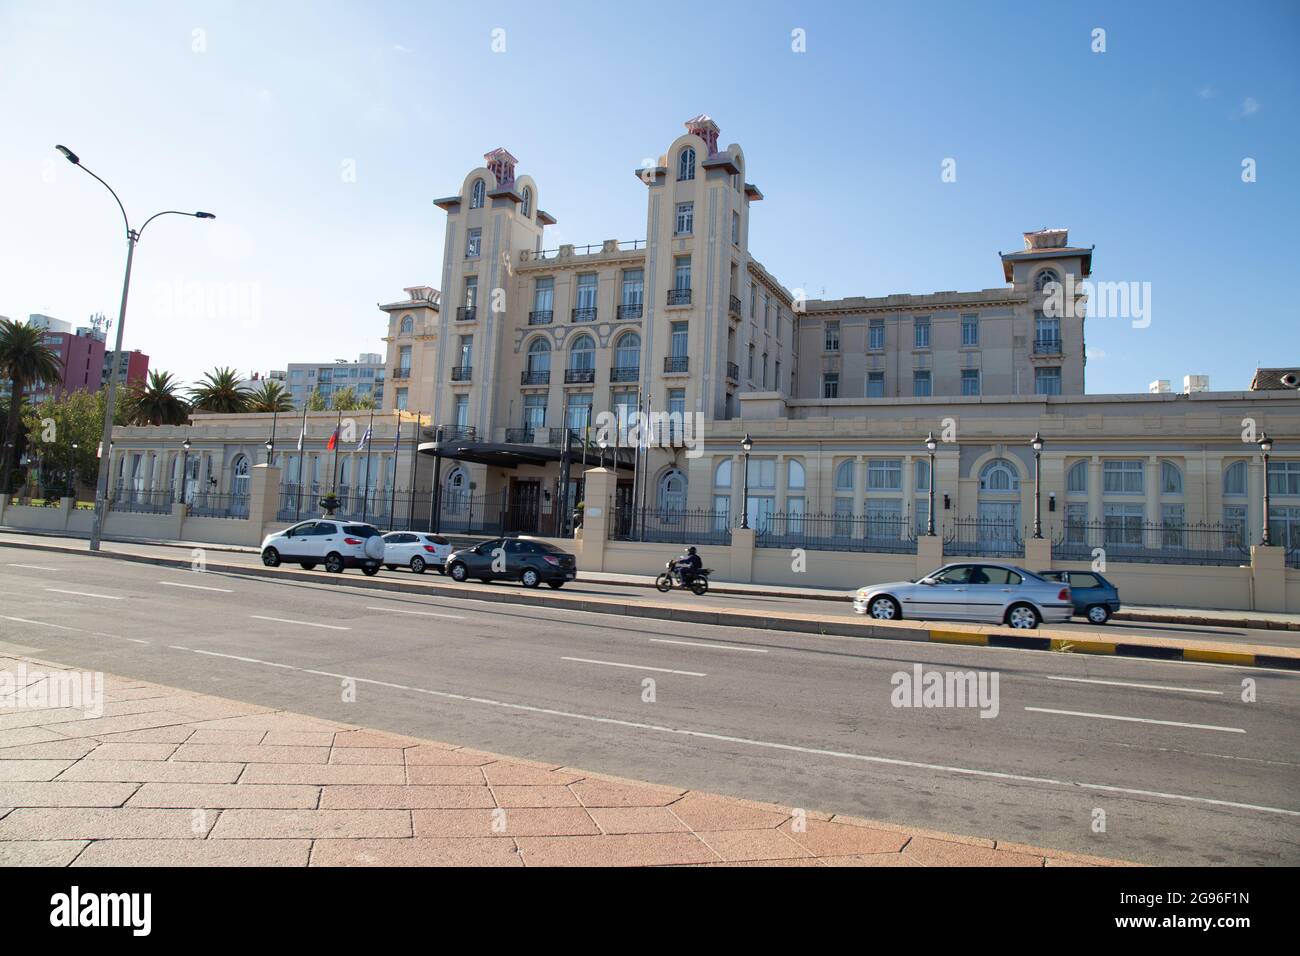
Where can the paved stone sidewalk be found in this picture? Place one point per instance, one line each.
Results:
(167, 777)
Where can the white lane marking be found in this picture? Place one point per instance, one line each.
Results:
(712, 647)
(635, 667)
(136, 640)
(102, 597)
(33, 567)
(1122, 683)
(285, 620)
(1136, 720)
(197, 587)
(814, 751)
(394, 610)
(246, 660)
(23, 620)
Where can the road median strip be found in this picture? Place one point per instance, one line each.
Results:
(1042, 639)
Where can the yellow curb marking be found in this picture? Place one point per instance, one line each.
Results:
(1074, 646)
(959, 637)
(1216, 657)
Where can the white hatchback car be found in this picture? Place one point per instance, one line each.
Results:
(416, 550)
(328, 541)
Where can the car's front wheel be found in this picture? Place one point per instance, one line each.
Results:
(370, 571)
(530, 578)
(417, 564)
(1098, 614)
(334, 563)
(884, 608)
(556, 584)
(271, 558)
(1022, 617)
(459, 572)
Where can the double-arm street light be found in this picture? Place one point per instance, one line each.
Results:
(105, 444)
(930, 446)
(1265, 447)
(746, 445)
(1037, 444)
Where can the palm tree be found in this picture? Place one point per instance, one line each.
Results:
(271, 397)
(156, 402)
(219, 392)
(24, 359)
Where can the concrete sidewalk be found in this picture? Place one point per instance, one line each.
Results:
(167, 777)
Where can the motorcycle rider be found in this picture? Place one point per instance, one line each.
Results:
(688, 565)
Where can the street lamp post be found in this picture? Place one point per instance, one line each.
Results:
(602, 443)
(1037, 444)
(72, 483)
(1266, 447)
(132, 237)
(930, 446)
(185, 468)
(746, 445)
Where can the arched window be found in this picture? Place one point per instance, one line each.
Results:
(539, 356)
(672, 490)
(1234, 479)
(722, 474)
(528, 202)
(844, 475)
(477, 194)
(582, 353)
(1076, 479)
(1171, 479)
(627, 352)
(407, 325)
(796, 477)
(456, 497)
(1044, 278)
(999, 475)
(686, 164)
(240, 471)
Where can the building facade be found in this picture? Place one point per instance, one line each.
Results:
(365, 376)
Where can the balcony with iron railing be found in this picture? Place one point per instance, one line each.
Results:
(583, 315)
(466, 313)
(1047, 345)
(676, 364)
(610, 247)
(462, 373)
(630, 310)
(520, 436)
(535, 376)
(679, 296)
(624, 373)
(401, 373)
(579, 376)
(541, 317)
(733, 305)
(455, 433)
(733, 372)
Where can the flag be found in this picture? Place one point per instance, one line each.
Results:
(302, 434)
(334, 439)
(365, 440)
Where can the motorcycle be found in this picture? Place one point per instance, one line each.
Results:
(672, 578)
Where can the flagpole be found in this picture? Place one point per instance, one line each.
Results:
(392, 490)
(415, 455)
(365, 488)
(302, 453)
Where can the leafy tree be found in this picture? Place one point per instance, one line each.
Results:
(316, 402)
(55, 425)
(271, 397)
(347, 400)
(220, 392)
(156, 402)
(24, 360)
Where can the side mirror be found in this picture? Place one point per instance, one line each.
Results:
(928, 582)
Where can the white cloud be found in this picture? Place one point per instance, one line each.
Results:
(1249, 106)
(1206, 92)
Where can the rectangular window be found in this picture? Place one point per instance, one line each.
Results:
(544, 295)
(1284, 477)
(680, 339)
(1235, 519)
(1076, 521)
(831, 340)
(884, 518)
(921, 386)
(586, 292)
(735, 228)
(577, 413)
(1172, 530)
(633, 286)
(466, 351)
(970, 381)
(876, 335)
(875, 385)
(1123, 477)
(1047, 381)
(685, 218)
(843, 517)
(721, 512)
(462, 411)
(1124, 524)
(970, 330)
(1047, 334)
(473, 240)
(471, 291)
(401, 399)
(534, 411)
(921, 332)
(762, 473)
(682, 272)
(1284, 527)
(884, 474)
(831, 385)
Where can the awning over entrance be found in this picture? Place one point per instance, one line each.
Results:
(512, 455)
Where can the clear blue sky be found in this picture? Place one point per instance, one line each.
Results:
(1137, 150)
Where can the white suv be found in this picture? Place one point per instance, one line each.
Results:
(415, 550)
(336, 544)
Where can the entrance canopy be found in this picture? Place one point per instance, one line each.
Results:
(512, 455)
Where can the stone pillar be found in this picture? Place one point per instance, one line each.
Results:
(597, 513)
(1268, 577)
(929, 554)
(1151, 484)
(263, 500)
(742, 554)
(1038, 554)
(1095, 488)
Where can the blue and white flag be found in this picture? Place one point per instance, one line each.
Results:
(365, 439)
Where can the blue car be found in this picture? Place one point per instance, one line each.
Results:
(1094, 597)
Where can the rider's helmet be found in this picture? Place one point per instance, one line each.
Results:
(691, 549)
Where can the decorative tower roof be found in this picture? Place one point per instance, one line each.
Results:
(707, 130)
(1046, 239)
(502, 165)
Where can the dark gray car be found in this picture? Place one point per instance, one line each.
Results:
(526, 560)
(1094, 597)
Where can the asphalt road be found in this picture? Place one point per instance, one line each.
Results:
(1183, 770)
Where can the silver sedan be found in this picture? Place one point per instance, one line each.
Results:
(970, 591)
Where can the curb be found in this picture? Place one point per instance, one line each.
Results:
(1249, 655)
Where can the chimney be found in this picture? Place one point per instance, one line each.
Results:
(707, 130)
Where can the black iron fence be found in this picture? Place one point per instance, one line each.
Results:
(1147, 542)
(886, 534)
(672, 525)
(218, 506)
(983, 537)
(142, 502)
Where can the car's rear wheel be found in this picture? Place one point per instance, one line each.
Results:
(1022, 617)
(664, 582)
(307, 565)
(1098, 614)
(530, 578)
(370, 571)
(556, 584)
(884, 608)
(334, 563)
(459, 572)
(271, 558)
(417, 564)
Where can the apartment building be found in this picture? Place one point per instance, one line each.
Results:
(364, 375)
